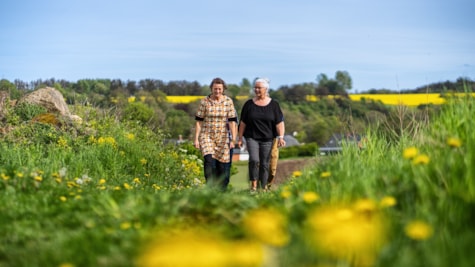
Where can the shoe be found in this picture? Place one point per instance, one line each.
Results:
(253, 190)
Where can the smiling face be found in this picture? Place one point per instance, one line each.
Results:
(260, 90)
(217, 90)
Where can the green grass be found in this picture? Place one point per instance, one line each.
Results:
(111, 194)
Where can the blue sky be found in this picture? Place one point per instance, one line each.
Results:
(392, 44)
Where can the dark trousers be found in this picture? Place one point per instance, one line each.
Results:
(214, 171)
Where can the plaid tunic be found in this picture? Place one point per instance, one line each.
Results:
(214, 137)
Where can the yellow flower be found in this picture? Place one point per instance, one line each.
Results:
(418, 230)
(267, 226)
(5, 177)
(66, 264)
(127, 186)
(125, 225)
(102, 181)
(136, 180)
(131, 99)
(143, 161)
(365, 205)
(130, 136)
(193, 248)
(421, 159)
(310, 197)
(387, 201)
(19, 174)
(38, 178)
(285, 193)
(454, 142)
(297, 174)
(325, 174)
(410, 152)
(63, 198)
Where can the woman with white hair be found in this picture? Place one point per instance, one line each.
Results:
(261, 121)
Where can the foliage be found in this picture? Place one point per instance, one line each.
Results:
(304, 150)
(110, 193)
(26, 111)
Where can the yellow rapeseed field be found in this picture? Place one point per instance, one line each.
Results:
(388, 99)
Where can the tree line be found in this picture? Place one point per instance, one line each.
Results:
(307, 121)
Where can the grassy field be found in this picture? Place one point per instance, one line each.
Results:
(110, 193)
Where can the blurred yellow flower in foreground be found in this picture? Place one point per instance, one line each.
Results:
(325, 174)
(421, 159)
(297, 174)
(387, 201)
(418, 230)
(354, 233)
(310, 197)
(454, 142)
(268, 226)
(193, 248)
(410, 152)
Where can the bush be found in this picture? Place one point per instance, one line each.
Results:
(305, 150)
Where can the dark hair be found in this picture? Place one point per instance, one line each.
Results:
(218, 81)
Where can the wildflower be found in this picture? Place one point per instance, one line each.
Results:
(19, 174)
(193, 247)
(125, 225)
(117, 188)
(418, 230)
(387, 201)
(325, 174)
(421, 159)
(410, 152)
(454, 142)
(127, 186)
(346, 234)
(136, 180)
(156, 187)
(285, 193)
(310, 197)
(131, 99)
(268, 226)
(143, 161)
(102, 181)
(130, 136)
(365, 205)
(297, 174)
(66, 264)
(63, 198)
(62, 172)
(38, 178)
(5, 177)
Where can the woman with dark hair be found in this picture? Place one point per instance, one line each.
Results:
(262, 120)
(214, 114)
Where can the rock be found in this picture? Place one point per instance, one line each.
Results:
(49, 98)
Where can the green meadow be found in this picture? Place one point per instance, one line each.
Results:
(111, 193)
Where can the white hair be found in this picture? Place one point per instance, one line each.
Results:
(264, 81)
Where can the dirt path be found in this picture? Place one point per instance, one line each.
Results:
(286, 167)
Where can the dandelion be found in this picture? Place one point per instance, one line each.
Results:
(454, 142)
(310, 197)
(19, 174)
(127, 186)
(66, 264)
(143, 161)
(346, 233)
(410, 152)
(63, 198)
(387, 201)
(131, 99)
(193, 248)
(5, 177)
(125, 225)
(325, 174)
(365, 205)
(136, 180)
(285, 194)
(38, 178)
(117, 188)
(130, 136)
(297, 174)
(102, 181)
(421, 159)
(268, 226)
(418, 230)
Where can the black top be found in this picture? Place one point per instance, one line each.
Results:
(261, 120)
